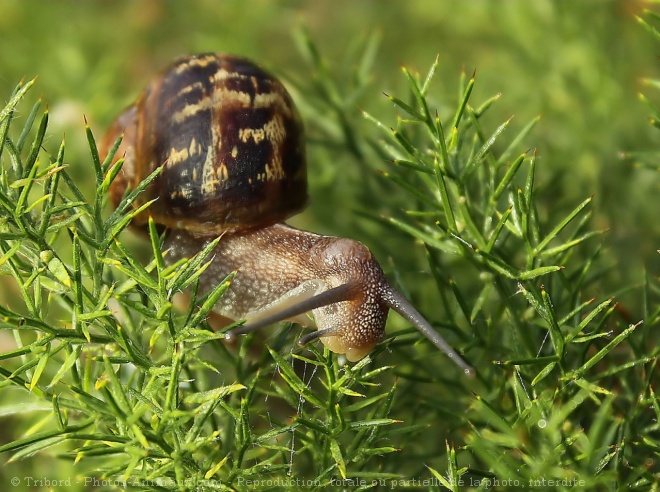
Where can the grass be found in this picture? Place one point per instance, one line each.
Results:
(106, 382)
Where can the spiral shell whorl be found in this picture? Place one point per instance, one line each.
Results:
(230, 140)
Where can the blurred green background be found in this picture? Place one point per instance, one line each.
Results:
(579, 64)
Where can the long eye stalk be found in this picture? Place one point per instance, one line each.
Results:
(400, 304)
(330, 296)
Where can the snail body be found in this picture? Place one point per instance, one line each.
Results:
(278, 267)
(231, 145)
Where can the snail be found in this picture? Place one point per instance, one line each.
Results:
(231, 145)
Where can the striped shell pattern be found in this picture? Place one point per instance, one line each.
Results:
(230, 142)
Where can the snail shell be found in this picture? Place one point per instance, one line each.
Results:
(229, 138)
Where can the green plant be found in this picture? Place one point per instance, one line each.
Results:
(139, 392)
(546, 416)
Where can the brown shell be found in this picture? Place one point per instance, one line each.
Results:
(229, 138)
